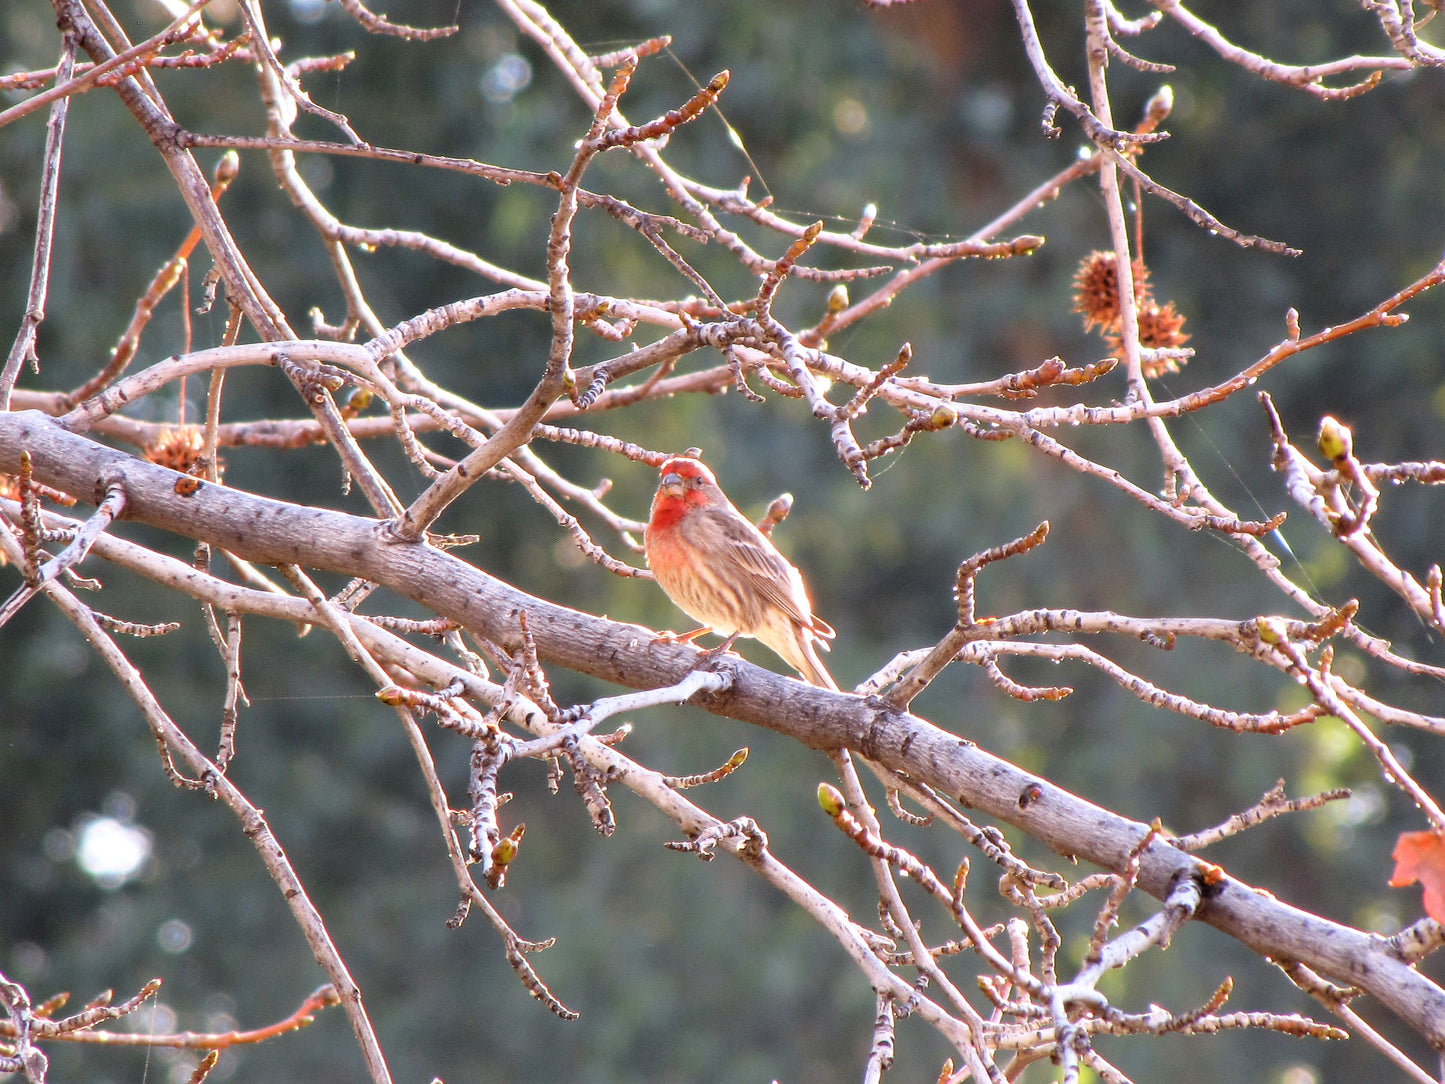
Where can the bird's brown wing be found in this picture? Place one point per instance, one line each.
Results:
(771, 574)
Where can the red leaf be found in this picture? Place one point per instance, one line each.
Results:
(1420, 856)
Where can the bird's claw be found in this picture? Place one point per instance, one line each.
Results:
(670, 637)
(711, 657)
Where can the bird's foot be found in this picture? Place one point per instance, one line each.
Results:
(670, 637)
(711, 656)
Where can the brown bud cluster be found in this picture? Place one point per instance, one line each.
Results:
(1096, 297)
(179, 448)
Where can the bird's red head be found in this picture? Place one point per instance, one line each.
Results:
(685, 483)
(687, 472)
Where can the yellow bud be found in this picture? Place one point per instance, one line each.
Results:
(1272, 630)
(831, 799)
(1335, 440)
(837, 299)
(228, 167)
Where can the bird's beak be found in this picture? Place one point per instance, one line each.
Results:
(671, 484)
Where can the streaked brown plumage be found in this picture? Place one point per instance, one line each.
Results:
(722, 571)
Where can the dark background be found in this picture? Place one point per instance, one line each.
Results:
(685, 971)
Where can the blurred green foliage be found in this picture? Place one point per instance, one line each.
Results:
(684, 971)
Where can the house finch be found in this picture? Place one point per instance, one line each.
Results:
(721, 570)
